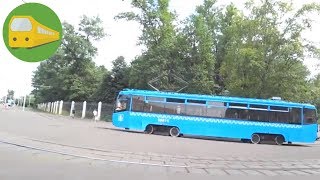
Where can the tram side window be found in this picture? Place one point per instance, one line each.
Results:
(244, 114)
(260, 107)
(310, 116)
(232, 113)
(138, 103)
(295, 116)
(217, 104)
(279, 117)
(174, 108)
(151, 98)
(283, 117)
(196, 110)
(155, 107)
(258, 115)
(175, 100)
(196, 101)
(278, 108)
(216, 112)
(238, 105)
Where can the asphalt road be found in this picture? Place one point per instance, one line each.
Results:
(43, 145)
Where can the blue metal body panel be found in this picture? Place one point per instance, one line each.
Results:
(216, 127)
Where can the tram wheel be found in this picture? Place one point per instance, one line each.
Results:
(255, 138)
(149, 129)
(279, 139)
(174, 132)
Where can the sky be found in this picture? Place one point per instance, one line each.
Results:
(16, 74)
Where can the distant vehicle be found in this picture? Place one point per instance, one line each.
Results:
(251, 120)
(10, 103)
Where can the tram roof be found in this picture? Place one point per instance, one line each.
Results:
(215, 98)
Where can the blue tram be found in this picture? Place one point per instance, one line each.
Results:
(248, 119)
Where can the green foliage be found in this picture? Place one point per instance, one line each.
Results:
(265, 59)
(197, 48)
(313, 93)
(71, 73)
(91, 28)
(258, 53)
(113, 82)
(160, 39)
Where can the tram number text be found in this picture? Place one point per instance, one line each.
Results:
(163, 120)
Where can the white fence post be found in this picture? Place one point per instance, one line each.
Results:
(84, 109)
(57, 107)
(49, 106)
(72, 108)
(99, 110)
(53, 106)
(60, 107)
(24, 102)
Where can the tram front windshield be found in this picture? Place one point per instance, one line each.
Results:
(122, 103)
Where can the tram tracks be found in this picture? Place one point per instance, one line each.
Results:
(160, 160)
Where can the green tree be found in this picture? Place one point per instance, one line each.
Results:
(313, 96)
(71, 73)
(257, 52)
(159, 39)
(198, 48)
(113, 82)
(10, 94)
(266, 55)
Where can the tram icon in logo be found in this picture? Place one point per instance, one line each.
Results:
(26, 32)
(32, 32)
